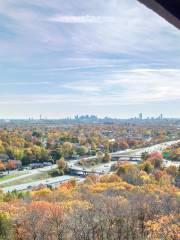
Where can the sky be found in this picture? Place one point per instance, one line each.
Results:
(112, 58)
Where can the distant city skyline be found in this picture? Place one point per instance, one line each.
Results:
(139, 116)
(107, 58)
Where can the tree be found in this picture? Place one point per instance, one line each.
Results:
(28, 157)
(158, 163)
(144, 156)
(156, 159)
(100, 156)
(41, 193)
(93, 146)
(82, 150)
(172, 170)
(67, 149)
(164, 227)
(11, 165)
(5, 226)
(56, 154)
(107, 157)
(155, 155)
(36, 134)
(147, 167)
(17, 153)
(123, 145)
(2, 167)
(34, 221)
(1, 148)
(62, 165)
(57, 221)
(129, 173)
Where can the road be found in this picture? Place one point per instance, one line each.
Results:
(158, 147)
(104, 168)
(51, 181)
(28, 173)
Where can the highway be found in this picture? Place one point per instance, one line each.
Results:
(158, 147)
(51, 181)
(30, 172)
(103, 168)
(27, 173)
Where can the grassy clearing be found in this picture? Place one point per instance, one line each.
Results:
(10, 177)
(35, 177)
(89, 162)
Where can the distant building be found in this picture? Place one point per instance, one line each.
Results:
(140, 116)
(177, 180)
(4, 157)
(17, 163)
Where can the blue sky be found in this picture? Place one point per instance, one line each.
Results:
(113, 58)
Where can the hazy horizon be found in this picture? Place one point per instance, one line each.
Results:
(61, 58)
(43, 117)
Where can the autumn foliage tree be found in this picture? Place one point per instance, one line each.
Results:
(106, 158)
(11, 165)
(2, 167)
(164, 227)
(62, 165)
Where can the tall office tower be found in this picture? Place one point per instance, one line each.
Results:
(161, 116)
(140, 116)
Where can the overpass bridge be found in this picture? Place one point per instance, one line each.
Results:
(121, 157)
(83, 172)
(115, 157)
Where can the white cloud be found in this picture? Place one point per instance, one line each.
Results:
(23, 83)
(127, 88)
(124, 29)
(86, 62)
(82, 87)
(74, 68)
(82, 19)
(147, 85)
